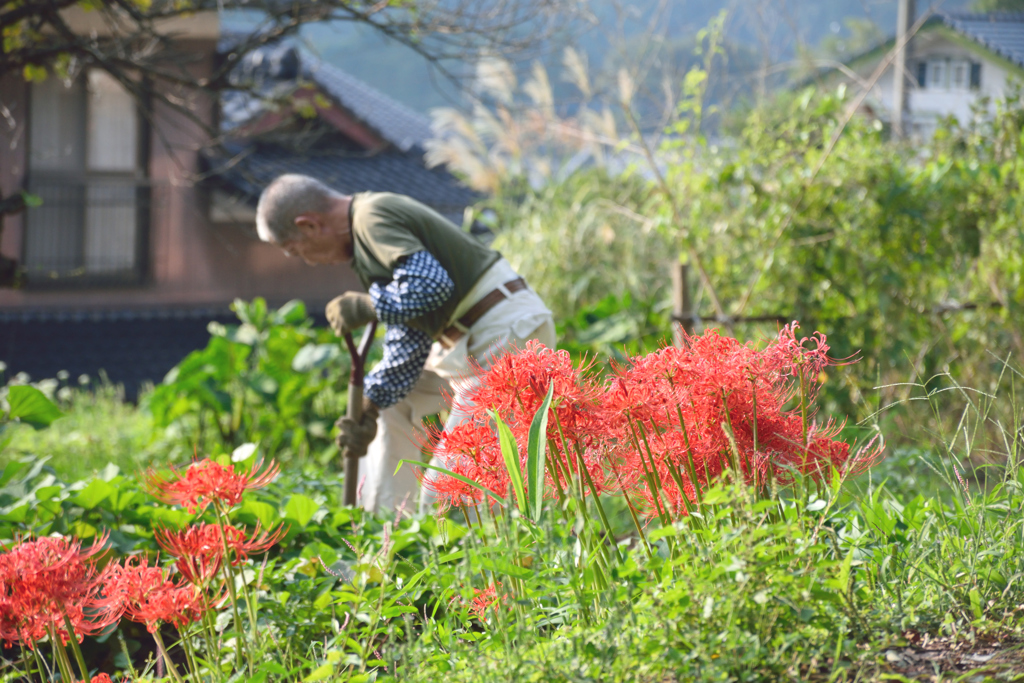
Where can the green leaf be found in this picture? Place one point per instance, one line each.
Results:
(274, 668)
(301, 509)
(536, 451)
(510, 452)
(264, 512)
(31, 406)
(321, 672)
(93, 494)
(10, 470)
(315, 357)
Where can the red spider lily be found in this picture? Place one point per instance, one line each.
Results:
(44, 580)
(514, 387)
(200, 548)
(486, 599)
(101, 678)
(516, 384)
(150, 598)
(470, 450)
(681, 416)
(208, 481)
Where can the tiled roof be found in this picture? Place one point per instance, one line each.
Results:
(248, 165)
(392, 120)
(274, 67)
(1000, 32)
(250, 170)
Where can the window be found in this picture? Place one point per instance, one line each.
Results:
(86, 164)
(937, 75)
(949, 74)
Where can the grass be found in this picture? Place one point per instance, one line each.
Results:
(911, 571)
(98, 428)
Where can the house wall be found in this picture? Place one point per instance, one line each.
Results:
(928, 105)
(191, 262)
(13, 157)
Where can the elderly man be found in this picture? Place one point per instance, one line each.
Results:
(444, 298)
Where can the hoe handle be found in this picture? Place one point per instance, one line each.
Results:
(355, 406)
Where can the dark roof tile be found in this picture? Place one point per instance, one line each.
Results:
(1000, 32)
(252, 169)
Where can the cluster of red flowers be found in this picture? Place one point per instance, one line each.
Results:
(149, 597)
(514, 387)
(663, 427)
(50, 583)
(483, 599)
(206, 482)
(45, 580)
(199, 549)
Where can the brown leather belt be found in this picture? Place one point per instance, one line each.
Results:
(453, 333)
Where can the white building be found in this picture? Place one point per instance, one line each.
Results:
(954, 60)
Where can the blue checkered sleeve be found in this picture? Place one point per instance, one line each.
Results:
(405, 351)
(420, 284)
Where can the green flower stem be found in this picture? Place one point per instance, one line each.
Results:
(565, 453)
(60, 655)
(250, 604)
(656, 494)
(635, 517)
(26, 664)
(677, 476)
(190, 657)
(209, 635)
(167, 656)
(229, 577)
(39, 662)
(75, 648)
(600, 508)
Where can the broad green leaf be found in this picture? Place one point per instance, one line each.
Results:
(510, 453)
(536, 451)
(322, 672)
(274, 668)
(264, 512)
(31, 406)
(93, 494)
(301, 509)
(10, 470)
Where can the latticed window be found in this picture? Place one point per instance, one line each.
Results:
(948, 74)
(87, 164)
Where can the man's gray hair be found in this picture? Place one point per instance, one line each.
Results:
(286, 198)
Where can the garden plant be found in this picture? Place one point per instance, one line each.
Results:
(689, 514)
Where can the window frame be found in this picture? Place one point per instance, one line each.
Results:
(76, 182)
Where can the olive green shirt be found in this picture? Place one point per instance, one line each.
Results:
(388, 227)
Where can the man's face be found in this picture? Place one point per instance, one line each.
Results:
(321, 240)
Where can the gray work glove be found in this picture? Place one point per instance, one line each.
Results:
(349, 312)
(356, 436)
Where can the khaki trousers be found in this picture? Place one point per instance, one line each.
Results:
(400, 432)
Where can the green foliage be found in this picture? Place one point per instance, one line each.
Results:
(810, 584)
(97, 428)
(273, 379)
(909, 256)
(589, 247)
